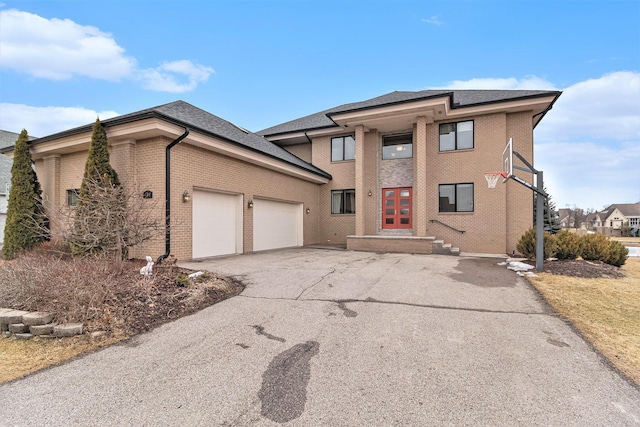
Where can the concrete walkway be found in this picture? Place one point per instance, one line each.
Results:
(340, 338)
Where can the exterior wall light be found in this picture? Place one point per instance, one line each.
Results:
(186, 197)
(370, 193)
(308, 211)
(250, 204)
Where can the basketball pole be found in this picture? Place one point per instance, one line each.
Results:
(539, 222)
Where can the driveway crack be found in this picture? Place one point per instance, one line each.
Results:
(333, 270)
(341, 303)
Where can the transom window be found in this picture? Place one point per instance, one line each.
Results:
(343, 201)
(72, 197)
(456, 197)
(397, 147)
(396, 207)
(343, 148)
(456, 136)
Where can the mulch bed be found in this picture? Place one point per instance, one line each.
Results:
(581, 268)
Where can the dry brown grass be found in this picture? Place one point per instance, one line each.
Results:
(605, 310)
(19, 358)
(628, 241)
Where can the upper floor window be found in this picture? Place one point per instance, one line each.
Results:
(456, 136)
(72, 197)
(343, 201)
(397, 147)
(343, 148)
(456, 197)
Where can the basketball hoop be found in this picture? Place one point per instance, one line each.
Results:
(492, 178)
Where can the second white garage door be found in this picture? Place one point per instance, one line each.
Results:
(276, 225)
(217, 224)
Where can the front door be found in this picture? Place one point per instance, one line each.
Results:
(396, 207)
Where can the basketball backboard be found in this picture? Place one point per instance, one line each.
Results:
(507, 160)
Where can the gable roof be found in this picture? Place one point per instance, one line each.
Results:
(458, 99)
(627, 209)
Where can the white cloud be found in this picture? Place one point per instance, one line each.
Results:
(588, 145)
(527, 83)
(164, 78)
(605, 108)
(60, 49)
(433, 20)
(43, 121)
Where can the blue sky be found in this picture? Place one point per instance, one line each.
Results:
(261, 63)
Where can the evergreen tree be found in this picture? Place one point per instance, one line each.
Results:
(551, 217)
(92, 217)
(26, 224)
(98, 169)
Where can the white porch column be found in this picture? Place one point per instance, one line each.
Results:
(360, 190)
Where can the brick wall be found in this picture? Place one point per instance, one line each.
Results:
(303, 151)
(333, 228)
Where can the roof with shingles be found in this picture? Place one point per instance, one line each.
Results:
(459, 99)
(186, 115)
(627, 209)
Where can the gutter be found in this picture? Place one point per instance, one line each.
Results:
(167, 202)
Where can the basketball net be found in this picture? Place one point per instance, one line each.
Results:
(492, 178)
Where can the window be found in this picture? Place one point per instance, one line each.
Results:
(397, 147)
(72, 197)
(456, 197)
(343, 148)
(343, 201)
(396, 207)
(456, 136)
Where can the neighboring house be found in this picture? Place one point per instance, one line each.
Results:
(615, 216)
(386, 174)
(565, 218)
(7, 139)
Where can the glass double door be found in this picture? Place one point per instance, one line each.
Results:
(396, 207)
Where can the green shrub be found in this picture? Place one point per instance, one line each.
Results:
(182, 280)
(568, 245)
(618, 254)
(594, 247)
(527, 244)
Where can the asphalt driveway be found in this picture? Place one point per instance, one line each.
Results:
(340, 338)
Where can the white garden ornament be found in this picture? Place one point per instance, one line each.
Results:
(147, 269)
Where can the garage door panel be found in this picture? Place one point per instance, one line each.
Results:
(216, 224)
(276, 225)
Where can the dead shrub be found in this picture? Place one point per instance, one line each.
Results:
(73, 290)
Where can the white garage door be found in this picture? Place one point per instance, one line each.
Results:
(276, 225)
(217, 224)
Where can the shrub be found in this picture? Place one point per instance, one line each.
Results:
(26, 225)
(594, 247)
(618, 254)
(568, 245)
(73, 290)
(527, 244)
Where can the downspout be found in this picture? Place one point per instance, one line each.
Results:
(167, 202)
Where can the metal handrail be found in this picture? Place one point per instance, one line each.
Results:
(447, 225)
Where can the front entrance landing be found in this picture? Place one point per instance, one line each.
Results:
(401, 244)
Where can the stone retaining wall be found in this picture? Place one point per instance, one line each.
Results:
(25, 325)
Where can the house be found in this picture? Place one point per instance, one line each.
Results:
(400, 172)
(611, 220)
(7, 139)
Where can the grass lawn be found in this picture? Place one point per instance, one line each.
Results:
(606, 311)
